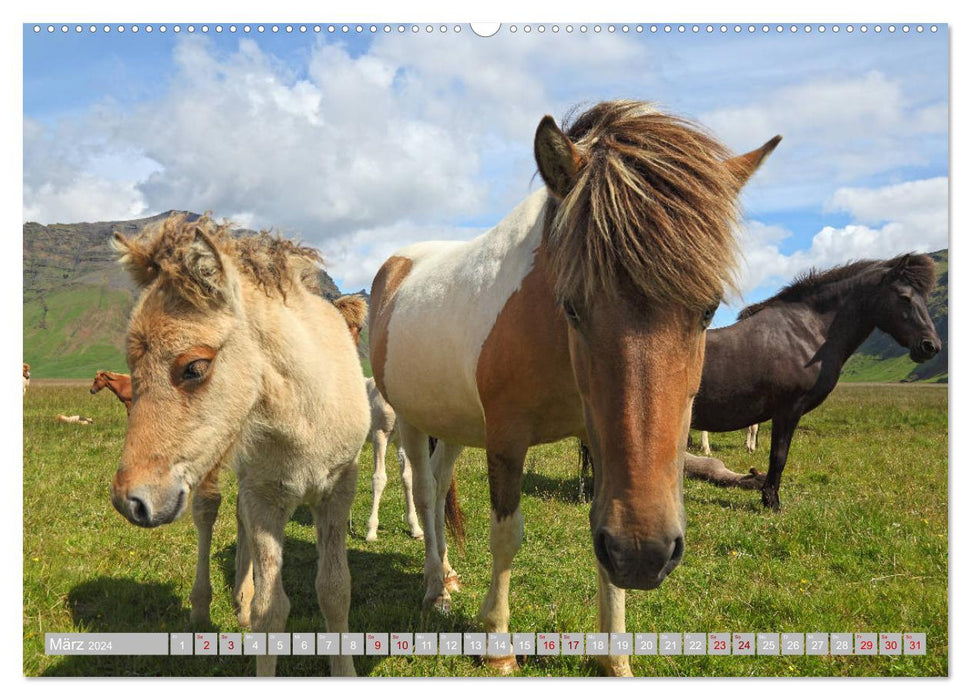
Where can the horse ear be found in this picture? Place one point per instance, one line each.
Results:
(135, 259)
(745, 165)
(558, 159)
(204, 265)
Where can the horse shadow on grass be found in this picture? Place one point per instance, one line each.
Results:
(386, 593)
(116, 604)
(566, 489)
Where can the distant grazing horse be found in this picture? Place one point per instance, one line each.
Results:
(582, 313)
(784, 356)
(26, 376)
(751, 440)
(235, 359)
(383, 430)
(118, 383)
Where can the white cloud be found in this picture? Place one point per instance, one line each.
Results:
(835, 131)
(360, 153)
(910, 216)
(355, 257)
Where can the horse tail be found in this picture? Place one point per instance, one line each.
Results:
(454, 517)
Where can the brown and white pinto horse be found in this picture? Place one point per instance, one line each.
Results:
(26, 376)
(582, 313)
(236, 359)
(118, 383)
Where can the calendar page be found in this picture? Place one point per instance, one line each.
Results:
(525, 349)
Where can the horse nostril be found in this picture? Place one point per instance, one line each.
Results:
(601, 547)
(928, 347)
(139, 510)
(678, 550)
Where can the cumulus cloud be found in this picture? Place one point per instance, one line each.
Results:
(887, 221)
(342, 148)
(835, 131)
(362, 147)
(354, 259)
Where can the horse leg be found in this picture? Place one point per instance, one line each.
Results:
(415, 443)
(442, 465)
(611, 600)
(205, 507)
(270, 606)
(411, 517)
(333, 582)
(378, 482)
(782, 430)
(705, 446)
(752, 437)
(243, 585)
(505, 538)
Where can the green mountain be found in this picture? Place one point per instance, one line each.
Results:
(881, 359)
(77, 298)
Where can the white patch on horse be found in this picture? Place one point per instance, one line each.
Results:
(433, 356)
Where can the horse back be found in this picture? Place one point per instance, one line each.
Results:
(755, 368)
(433, 307)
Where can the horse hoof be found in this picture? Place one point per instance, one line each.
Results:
(771, 501)
(200, 620)
(616, 667)
(503, 665)
(419, 535)
(452, 583)
(371, 537)
(441, 603)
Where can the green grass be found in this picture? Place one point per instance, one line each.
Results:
(860, 545)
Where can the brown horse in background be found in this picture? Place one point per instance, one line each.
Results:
(26, 376)
(118, 383)
(784, 356)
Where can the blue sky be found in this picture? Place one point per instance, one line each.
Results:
(361, 144)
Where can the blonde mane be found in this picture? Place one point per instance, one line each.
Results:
(654, 204)
(166, 251)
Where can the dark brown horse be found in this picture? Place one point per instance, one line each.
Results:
(784, 356)
(118, 383)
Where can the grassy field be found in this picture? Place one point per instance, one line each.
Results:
(860, 545)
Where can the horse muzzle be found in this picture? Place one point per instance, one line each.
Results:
(637, 563)
(926, 349)
(149, 507)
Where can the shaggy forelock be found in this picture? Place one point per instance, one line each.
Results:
(655, 205)
(166, 252)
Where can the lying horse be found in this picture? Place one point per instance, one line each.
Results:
(784, 356)
(384, 430)
(612, 273)
(236, 360)
(119, 384)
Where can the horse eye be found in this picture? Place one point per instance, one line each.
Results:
(708, 314)
(571, 313)
(195, 370)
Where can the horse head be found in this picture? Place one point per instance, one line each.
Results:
(195, 366)
(900, 306)
(640, 235)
